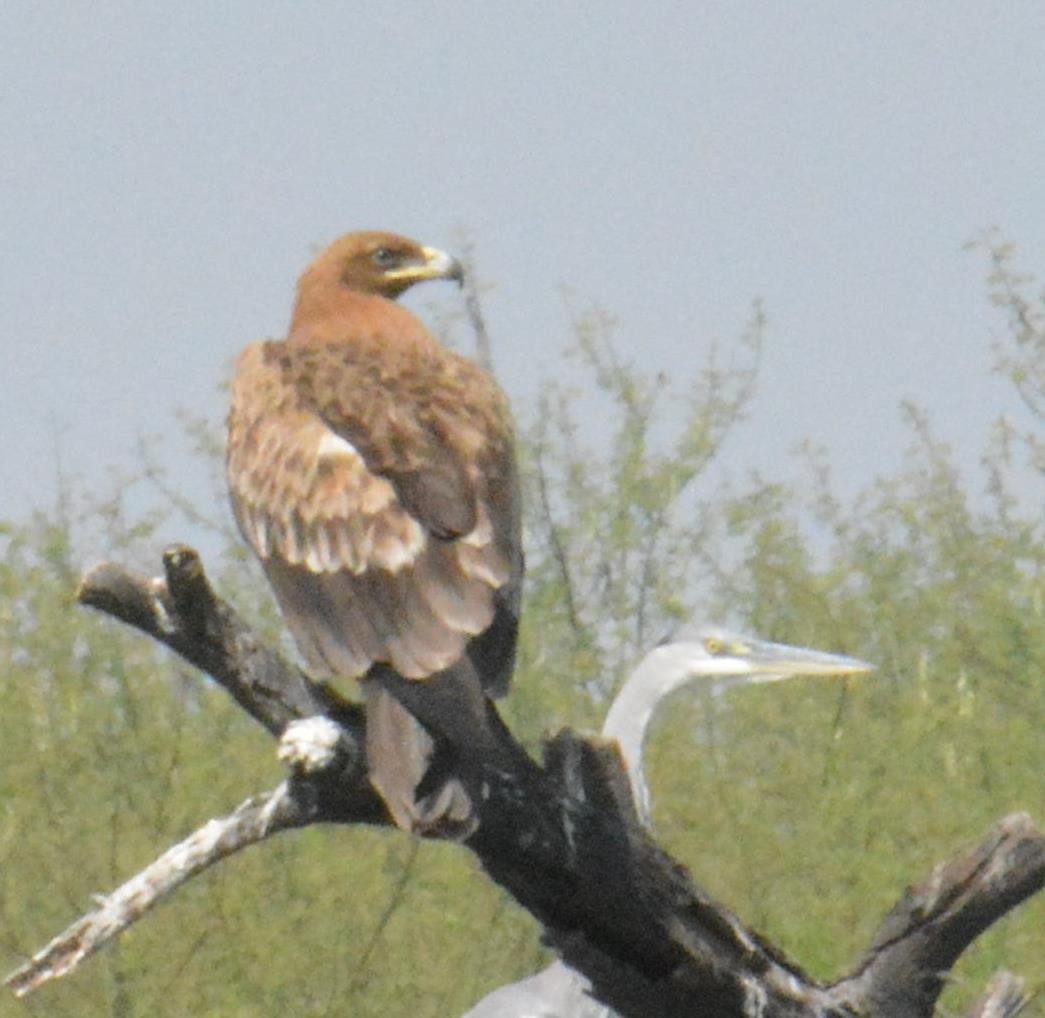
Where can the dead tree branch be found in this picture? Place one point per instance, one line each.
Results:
(253, 821)
(182, 611)
(561, 836)
(903, 971)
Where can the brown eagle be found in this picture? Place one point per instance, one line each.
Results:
(373, 472)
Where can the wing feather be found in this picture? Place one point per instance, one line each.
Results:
(366, 565)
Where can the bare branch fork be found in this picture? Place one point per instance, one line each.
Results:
(562, 838)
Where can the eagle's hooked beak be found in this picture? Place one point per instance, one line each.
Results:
(439, 265)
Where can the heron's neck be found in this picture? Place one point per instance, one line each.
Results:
(660, 672)
(627, 721)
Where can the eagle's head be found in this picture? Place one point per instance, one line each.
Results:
(376, 262)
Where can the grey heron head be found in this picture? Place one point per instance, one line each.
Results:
(727, 659)
(739, 659)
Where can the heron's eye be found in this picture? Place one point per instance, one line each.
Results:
(713, 645)
(385, 257)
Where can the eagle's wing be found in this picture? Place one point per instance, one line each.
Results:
(382, 499)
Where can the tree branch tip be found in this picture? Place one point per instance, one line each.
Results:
(185, 575)
(1021, 823)
(55, 960)
(183, 560)
(1005, 997)
(99, 577)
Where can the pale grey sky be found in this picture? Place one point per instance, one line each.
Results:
(168, 169)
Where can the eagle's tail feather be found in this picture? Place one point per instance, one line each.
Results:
(401, 756)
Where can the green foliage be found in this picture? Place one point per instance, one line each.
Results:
(1020, 356)
(612, 520)
(806, 806)
(897, 770)
(827, 801)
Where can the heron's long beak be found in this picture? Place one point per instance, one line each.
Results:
(782, 661)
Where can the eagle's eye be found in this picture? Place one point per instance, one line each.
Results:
(384, 257)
